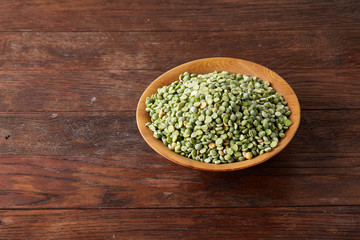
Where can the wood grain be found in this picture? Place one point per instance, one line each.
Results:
(134, 181)
(73, 165)
(240, 223)
(99, 134)
(115, 90)
(140, 15)
(165, 50)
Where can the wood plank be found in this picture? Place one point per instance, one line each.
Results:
(102, 133)
(115, 90)
(215, 15)
(135, 181)
(325, 88)
(165, 50)
(233, 223)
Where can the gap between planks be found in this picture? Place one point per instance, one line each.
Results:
(176, 31)
(156, 208)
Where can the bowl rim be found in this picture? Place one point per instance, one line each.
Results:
(226, 63)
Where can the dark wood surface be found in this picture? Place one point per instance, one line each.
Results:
(73, 164)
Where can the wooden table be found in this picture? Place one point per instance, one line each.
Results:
(73, 164)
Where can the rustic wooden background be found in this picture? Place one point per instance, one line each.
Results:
(73, 164)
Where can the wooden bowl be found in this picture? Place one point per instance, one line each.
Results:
(208, 65)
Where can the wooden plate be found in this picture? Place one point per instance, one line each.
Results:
(208, 65)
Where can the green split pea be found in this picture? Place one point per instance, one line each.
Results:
(218, 117)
